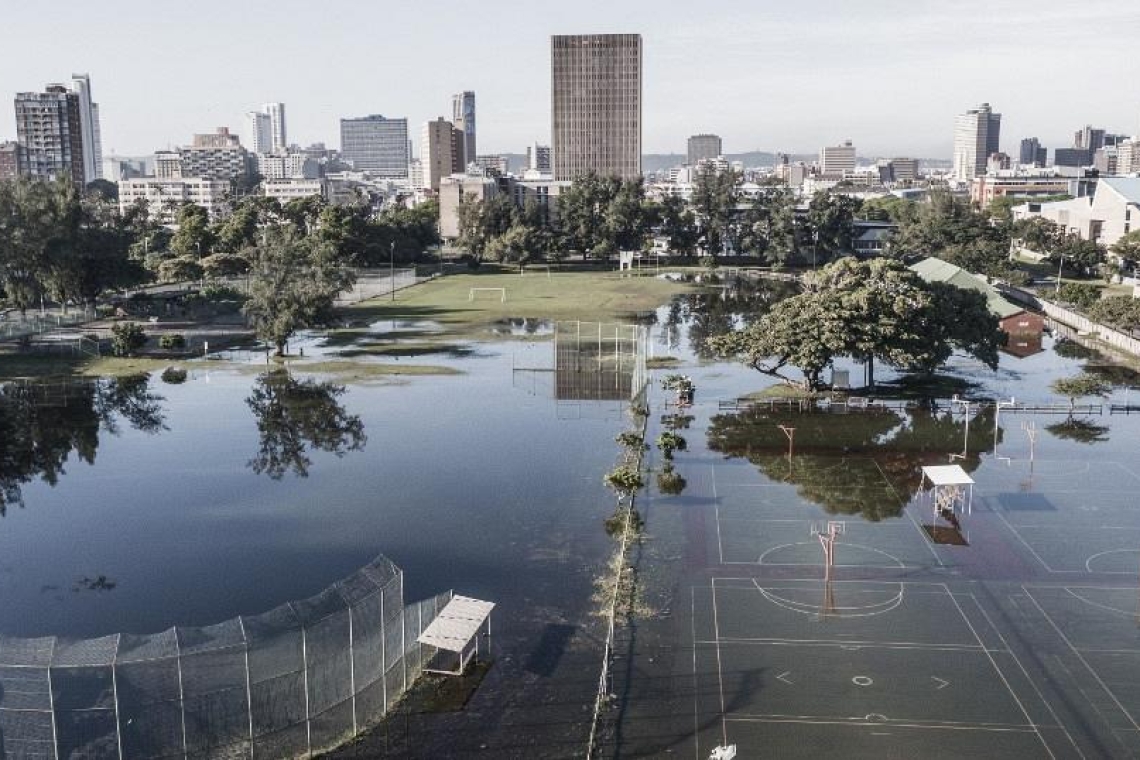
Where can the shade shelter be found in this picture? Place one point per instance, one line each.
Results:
(952, 490)
(456, 630)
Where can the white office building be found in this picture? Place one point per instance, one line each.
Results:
(976, 137)
(164, 196)
(278, 139)
(837, 159)
(89, 127)
(258, 133)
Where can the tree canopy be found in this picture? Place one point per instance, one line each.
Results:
(866, 311)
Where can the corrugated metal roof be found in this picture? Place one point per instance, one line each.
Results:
(456, 624)
(936, 270)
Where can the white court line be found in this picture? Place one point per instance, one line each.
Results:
(719, 667)
(1019, 537)
(716, 513)
(696, 685)
(1127, 470)
(1130, 614)
(993, 662)
(921, 532)
(856, 644)
(1024, 672)
(993, 728)
(1080, 657)
(938, 587)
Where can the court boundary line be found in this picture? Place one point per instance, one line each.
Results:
(861, 722)
(921, 533)
(994, 665)
(1021, 666)
(716, 513)
(1049, 568)
(1084, 662)
(1030, 727)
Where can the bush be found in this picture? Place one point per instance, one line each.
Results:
(1121, 312)
(631, 440)
(174, 375)
(126, 338)
(172, 341)
(624, 480)
(1079, 294)
(669, 482)
(708, 262)
(669, 442)
(215, 292)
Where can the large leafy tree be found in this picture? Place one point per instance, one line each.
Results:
(293, 282)
(194, 236)
(483, 220)
(873, 310)
(1127, 247)
(679, 225)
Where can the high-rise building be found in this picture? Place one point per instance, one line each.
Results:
(9, 160)
(1105, 160)
(1072, 157)
(703, 146)
(1128, 156)
(50, 134)
(258, 132)
(904, 169)
(1089, 138)
(463, 117)
(493, 164)
(441, 152)
(376, 145)
(538, 158)
(596, 105)
(976, 138)
(89, 127)
(1032, 153)
(278, 139)
(837, 159)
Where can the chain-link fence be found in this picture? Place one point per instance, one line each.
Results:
(595, 361)
(296, 680)
(377, 282)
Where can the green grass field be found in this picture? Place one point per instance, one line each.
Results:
(563, 295)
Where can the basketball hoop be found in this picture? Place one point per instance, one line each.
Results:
(827, 533)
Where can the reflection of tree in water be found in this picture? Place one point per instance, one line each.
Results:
(294, 416)
(738, 302)
(840, 462)
(1078, 431)
(42, 423)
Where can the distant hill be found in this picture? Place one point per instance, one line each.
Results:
(654, 162)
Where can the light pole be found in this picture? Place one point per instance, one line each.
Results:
(1060, 265)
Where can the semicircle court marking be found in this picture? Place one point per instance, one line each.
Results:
(1089, 561)
(760, 560)
(1106, 607)
(862, 680)
(804, 608)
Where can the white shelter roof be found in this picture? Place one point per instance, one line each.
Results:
(947, 475)
(456, 624)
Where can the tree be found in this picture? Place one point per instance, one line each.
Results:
(518, 245)
(194, 237)
(296, 416)
(678, 225)
(1082, 295)
(869, 310)
(715, 195)
(180, 269)
(481, 221)
(293, 283)
(1082, 257)
(952, 229)
(830, 218)
(27, 225)
(1121, 312)
(1127, 248)
(126, 338)
(1080, 386)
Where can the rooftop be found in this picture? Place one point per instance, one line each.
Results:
(936, 270)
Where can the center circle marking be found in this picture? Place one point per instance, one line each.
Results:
(862, 681)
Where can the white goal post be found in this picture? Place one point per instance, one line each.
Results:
(475, 291)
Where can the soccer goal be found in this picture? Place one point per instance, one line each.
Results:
(478, 292)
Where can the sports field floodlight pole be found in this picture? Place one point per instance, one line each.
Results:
(392, 268)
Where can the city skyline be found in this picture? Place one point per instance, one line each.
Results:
(769, 77)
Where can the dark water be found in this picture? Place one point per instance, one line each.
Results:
(136, 505)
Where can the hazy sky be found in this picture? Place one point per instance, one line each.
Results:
(790, 75)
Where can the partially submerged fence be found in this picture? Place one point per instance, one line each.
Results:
(296, 680)
(598, 361)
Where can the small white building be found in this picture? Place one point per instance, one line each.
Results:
(286, 189)
(1111, 212)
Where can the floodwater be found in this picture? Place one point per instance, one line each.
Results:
(134, 505)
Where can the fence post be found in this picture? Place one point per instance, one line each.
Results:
(115, 694)
(51, 704)
(305, 673)
(352, 669)
(383, 653)
(181, 693)
(248, 685)
(403, 633)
